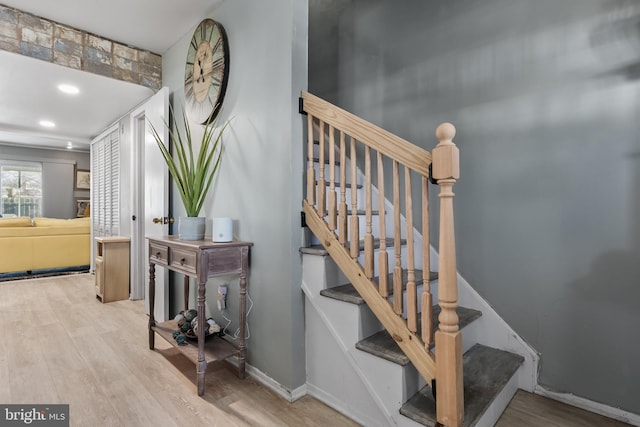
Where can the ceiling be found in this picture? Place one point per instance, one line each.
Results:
(26, 97)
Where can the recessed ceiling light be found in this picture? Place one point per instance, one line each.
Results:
(69, 89)
(47, 124)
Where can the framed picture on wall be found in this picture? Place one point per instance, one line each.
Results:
(83, 208)
(83, 179)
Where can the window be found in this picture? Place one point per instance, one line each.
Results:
(21, 188)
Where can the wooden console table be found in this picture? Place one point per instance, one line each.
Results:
(201, 259)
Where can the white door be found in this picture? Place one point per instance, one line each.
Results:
(150, 176)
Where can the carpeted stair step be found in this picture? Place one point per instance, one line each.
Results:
(320, 250)
(360, 212)
(348, 293)
(486, 371)
(337, 185)
(381, 343)
(326, 161)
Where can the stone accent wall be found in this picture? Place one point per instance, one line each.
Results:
(30, 35)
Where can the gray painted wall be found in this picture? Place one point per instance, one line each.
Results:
(57, 176)
(546, 98)
(259, 183)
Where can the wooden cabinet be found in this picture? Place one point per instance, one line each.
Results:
(112, 268)
(202, 260)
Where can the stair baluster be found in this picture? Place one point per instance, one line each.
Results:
(354, 240)
(368, 237)
(397, 235)
(427, 298)
(311, 172)
(412, 292)
(383, 256)
(342, 209)
(332, 179)
(322, 183)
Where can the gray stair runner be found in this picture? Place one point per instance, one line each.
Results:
(320, 250)
(348, 293)
(381, 343)
(347, 185)
(486, 371)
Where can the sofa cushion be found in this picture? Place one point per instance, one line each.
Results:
(23, 221)
(16, 253)
(55, 222)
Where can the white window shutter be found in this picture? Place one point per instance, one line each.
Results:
(106, 184)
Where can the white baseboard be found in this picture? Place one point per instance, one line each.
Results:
(589, 405)
(264, 379)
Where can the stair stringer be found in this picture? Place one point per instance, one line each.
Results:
(376, 381)
(361, 404)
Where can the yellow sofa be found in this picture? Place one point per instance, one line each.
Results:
(43, 243)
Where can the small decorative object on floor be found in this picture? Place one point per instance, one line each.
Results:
(187, 322)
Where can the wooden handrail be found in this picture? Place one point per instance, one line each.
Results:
(338, 230)
(377, 138)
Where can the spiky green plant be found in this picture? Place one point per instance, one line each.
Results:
(192, 175)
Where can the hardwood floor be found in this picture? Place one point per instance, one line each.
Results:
(60, 345)
(530, 410)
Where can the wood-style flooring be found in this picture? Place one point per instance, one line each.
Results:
(531, 410)
(60, 345)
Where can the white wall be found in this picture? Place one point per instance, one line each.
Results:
(260, 179)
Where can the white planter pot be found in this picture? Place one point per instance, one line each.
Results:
(191, 228)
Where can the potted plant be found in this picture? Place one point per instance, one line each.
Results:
(193, 174)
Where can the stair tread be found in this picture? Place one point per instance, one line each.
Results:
(381, 343)
(337, 184)
(348, 293)
(326, 161)
(320, 250)
(360, 212)
(486, 371)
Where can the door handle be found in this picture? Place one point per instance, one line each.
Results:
(164, 220)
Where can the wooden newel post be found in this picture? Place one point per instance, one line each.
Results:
(448, 340)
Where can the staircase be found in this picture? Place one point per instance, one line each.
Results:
(384, 341)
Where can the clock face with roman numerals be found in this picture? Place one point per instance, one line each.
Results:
(206, 71)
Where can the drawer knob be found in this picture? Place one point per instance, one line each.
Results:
(182, 261)
(158, 254)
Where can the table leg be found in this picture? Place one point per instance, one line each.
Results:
(186, 292)
(152, 298)
(202, 363)
(242, 347)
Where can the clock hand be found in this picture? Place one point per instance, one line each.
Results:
(200, 78)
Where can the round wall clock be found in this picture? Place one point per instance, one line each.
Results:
(206, 71)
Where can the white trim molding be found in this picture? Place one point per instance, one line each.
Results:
(273, 385)
(591, 406)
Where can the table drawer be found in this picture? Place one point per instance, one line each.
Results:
(185, 260)
(158, 253)
(226, 260)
